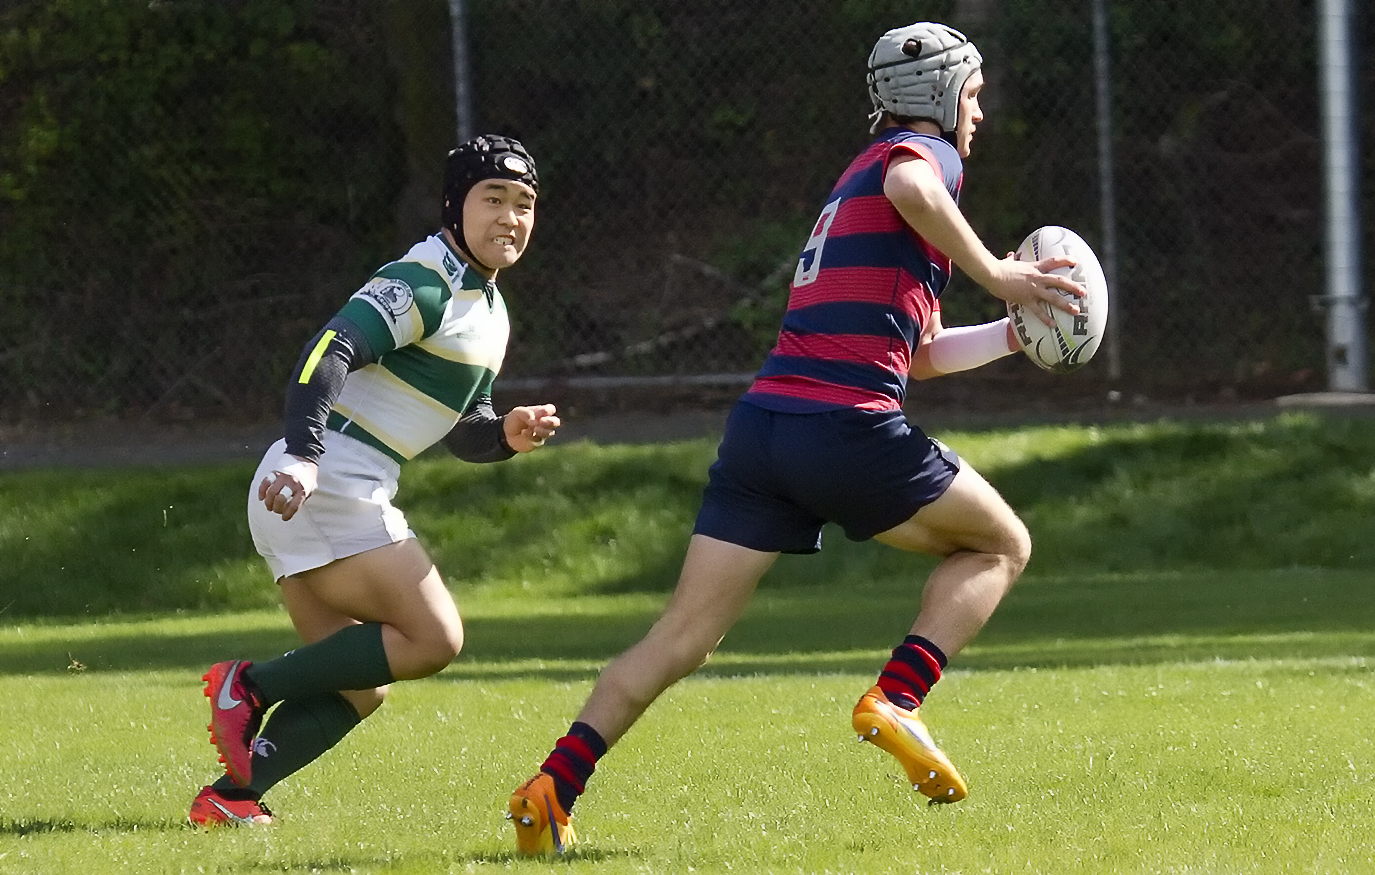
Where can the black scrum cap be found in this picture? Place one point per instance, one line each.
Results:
(488, 156)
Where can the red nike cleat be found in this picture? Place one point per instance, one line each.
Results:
(209, 808)
(235, 716)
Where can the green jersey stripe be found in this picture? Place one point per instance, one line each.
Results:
(453, 384)
(337, 422)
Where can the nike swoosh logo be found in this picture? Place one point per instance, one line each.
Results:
(229, 814)
(916, 736)
(553, 827)
(225, 701)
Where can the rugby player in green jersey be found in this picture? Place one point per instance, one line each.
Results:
(407, 362)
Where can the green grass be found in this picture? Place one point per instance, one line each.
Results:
(1181, 682)
(1151, 753)
(1282, 493)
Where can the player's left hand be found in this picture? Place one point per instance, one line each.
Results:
(527, 428)
(1031, 282)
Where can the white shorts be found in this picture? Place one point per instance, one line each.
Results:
(349, 512)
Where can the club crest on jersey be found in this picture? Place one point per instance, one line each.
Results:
(391, 296)
(451, 266)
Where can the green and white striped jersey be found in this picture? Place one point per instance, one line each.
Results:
(438, 331)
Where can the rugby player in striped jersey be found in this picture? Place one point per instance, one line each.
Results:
(821, 435)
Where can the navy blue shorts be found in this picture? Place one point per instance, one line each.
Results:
(779, 477)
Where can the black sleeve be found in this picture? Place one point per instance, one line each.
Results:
(479, 435)
(339, 348)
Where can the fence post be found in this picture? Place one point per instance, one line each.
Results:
(1346, 339)
(1102, 67)
(463, 89)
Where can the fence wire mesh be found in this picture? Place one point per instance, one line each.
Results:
(188, 189)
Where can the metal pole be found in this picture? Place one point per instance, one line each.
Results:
(1346, 305)
(463, 91)
(1106, 193)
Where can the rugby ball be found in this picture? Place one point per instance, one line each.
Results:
(1075, 338)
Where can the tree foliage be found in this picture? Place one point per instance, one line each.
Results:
(188, 187)
(171, 158)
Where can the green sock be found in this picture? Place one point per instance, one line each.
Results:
(298, 732)
(351, 659)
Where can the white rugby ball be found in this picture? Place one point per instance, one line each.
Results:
(1075, 338)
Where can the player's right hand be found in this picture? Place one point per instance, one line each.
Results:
(1026, 282)
(527, 428)
(288, 485)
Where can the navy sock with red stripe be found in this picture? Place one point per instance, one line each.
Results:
(911, 672)
(573, 761)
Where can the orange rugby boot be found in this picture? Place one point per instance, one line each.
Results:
(542, 826)
(901, 733)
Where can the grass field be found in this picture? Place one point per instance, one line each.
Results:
(1181, 683)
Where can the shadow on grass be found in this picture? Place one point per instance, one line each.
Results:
(24, 826)
(579, 854)
(330, 864)
(432, 862)
(437, 861)
(1044, 622)
(339, 863)
(155, 650)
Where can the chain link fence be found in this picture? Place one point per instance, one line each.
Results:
(188, 189)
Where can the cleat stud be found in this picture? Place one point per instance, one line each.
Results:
(861, 737)
(527, 820)
(509, 815)
(916, 787)
(873, 731)
(950, 792)
(932, 775)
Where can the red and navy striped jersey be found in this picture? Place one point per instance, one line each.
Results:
(864, 287)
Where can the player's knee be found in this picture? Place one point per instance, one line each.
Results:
(446, 648)
(691, 655)
(692, 647)
(691, 660)
(680, 644)
(704, 658)
(440, 647)
(1018, 547)
(680, 657)
(453, 643)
